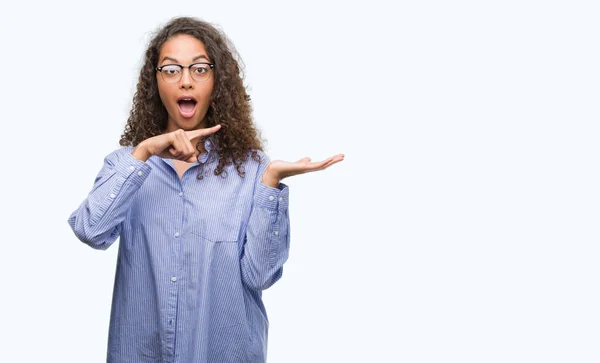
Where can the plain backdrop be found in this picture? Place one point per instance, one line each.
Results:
(462, 225)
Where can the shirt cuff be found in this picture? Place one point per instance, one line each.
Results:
(129, 165)
(272, 198)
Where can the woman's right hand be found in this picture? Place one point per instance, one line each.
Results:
(173, 145)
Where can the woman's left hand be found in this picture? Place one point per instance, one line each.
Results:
(279, 169)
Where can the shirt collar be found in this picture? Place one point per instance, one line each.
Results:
(209, 143)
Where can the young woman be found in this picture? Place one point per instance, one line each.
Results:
(200, 210)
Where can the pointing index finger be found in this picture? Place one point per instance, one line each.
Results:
(201, 132)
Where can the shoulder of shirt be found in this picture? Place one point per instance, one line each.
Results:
(263, 156)
(118, 153)
(124, 149)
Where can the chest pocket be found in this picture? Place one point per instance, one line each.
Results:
(218, 223)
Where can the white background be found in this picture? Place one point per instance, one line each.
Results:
(462, 225)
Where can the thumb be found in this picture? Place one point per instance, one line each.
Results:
(307, 159)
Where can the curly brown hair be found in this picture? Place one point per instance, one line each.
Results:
(229, 105)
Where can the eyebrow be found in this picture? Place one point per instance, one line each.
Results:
(202, 56)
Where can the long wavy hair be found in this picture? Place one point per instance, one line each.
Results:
(229, 104)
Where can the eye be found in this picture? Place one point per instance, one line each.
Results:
(171, 70)
(199, 69)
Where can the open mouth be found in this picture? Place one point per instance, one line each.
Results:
(187, 106)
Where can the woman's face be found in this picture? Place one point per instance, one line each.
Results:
(186, 100)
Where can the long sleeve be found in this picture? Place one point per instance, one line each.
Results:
(97, 220)
(267, 242)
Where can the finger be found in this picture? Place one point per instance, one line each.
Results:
(173, 151)
(187, 151)
(172, 148)
(193, 153)
(202, 132)
(324, 164)
(335, 157)
(177, 148)
(330, 163)
(179, 151)
(318, 164)
(332, 160)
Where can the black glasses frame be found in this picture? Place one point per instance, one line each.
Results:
(159, 69)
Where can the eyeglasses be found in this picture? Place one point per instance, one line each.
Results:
(172, 73)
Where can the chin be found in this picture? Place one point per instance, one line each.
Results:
(188, 125)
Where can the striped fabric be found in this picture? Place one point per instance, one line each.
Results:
(194, 256)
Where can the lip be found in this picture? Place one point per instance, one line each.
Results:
(187, 97)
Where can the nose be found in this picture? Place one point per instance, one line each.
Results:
(186, 79)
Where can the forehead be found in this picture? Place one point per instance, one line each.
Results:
(182, 47)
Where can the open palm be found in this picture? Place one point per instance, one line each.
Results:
(283, 169)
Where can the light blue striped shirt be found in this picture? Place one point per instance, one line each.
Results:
(194, 256)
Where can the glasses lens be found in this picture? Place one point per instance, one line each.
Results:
(200, 72)
(171, 73)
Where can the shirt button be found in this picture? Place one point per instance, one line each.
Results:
(276, 233)
(280, 199)
(271, 197)
(181, 194)
(132, 168)
(173, 278)
(112, 195)
(176, 234)
(140, 173)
